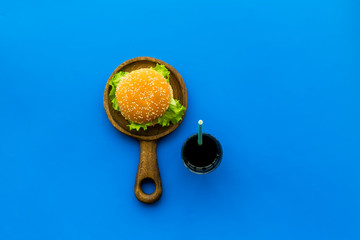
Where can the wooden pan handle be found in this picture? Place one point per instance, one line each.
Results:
(148, 169)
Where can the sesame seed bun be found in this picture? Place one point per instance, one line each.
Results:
(143, 95)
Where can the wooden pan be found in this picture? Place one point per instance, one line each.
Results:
(148, 166)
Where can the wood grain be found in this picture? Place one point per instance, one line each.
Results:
(148, 167)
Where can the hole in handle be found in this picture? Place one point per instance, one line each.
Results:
(148, 186)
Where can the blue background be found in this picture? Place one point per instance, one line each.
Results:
(277, 82)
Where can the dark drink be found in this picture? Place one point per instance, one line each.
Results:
(201, 158)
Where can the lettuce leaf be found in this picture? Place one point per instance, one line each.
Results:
(137, 126)
(162, 70)
(113, 83)
(173, 114)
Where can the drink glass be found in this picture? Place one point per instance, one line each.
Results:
(202, 158)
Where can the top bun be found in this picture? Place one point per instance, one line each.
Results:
(143, 95)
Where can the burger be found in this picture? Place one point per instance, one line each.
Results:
(144, 97)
